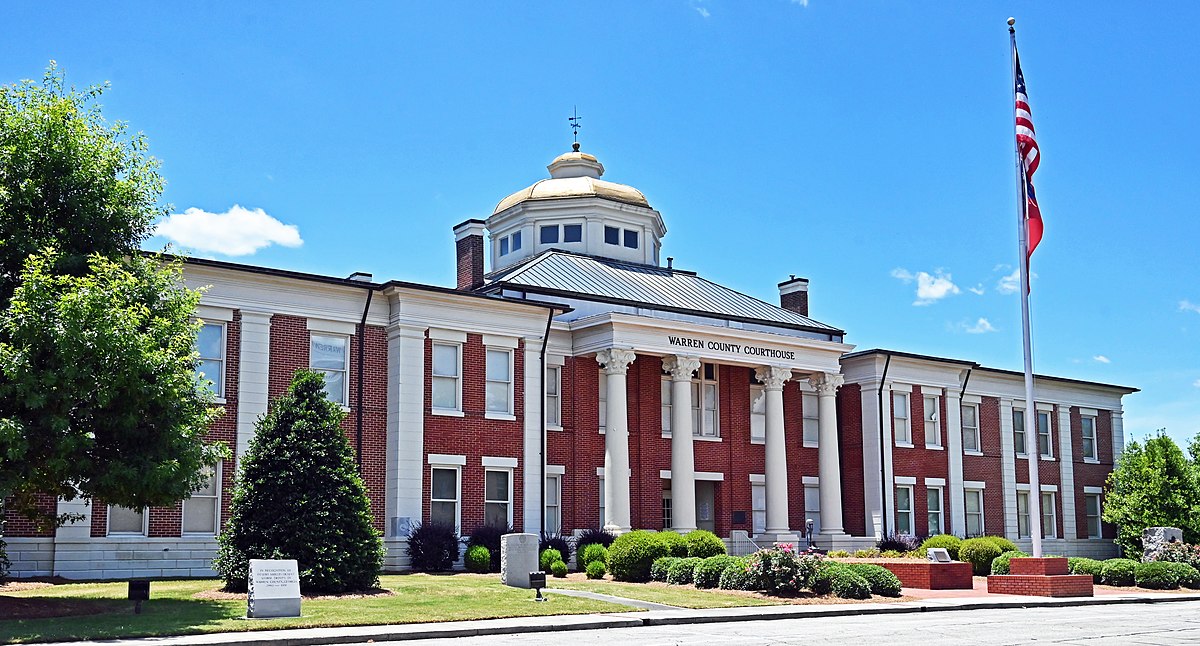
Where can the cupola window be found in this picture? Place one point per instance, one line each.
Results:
(572, 232)
(510, 243)
(612, 235)
(631, 239)
(549, 234)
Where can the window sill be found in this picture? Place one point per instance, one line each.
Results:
(198, 535)
(904, 445)
(934, 447)
(553, 428)
(666, 435)
(758, 440)
(1091, 461)
(219, 400)
(1048, 458)
(345, 409)
(975, 453)
(446, 412)
(810, 445)
(131, 536)
(506, 417)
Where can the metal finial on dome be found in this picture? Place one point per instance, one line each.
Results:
(575, 146)
(574, 119)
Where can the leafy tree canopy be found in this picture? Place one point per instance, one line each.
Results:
(1154, 485)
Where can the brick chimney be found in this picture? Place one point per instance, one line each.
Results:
(468, 247)
(793, 295)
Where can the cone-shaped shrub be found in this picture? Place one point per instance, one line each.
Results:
(299, 496)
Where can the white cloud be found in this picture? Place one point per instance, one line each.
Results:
(977, 290)
(802, 3)
(1188, 306)
(702, 11)
(982, 326)
(1009, 284)
(931, 288)
(1101, 359)
(236, 232)
(1196, 383)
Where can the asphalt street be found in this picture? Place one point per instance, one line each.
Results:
(1125, 625)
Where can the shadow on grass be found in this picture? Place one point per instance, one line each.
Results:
(110, 618)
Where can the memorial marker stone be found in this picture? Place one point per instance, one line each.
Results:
(1154, 538)
(273, 589)
(518, 557)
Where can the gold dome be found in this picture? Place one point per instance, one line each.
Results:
(574, 174)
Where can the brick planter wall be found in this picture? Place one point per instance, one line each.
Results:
(928, 575)
(1065, 585)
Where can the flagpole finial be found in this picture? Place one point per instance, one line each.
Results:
(1011, 22)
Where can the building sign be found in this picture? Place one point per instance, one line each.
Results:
(735, 348)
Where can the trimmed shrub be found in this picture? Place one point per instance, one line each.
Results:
(432, 547)
(867, 554)
(558, 569)
(841, 581)
(898, 543)
(674, 542)
(478, 559)
(979, 552)
(660, 567)
(558, 542)
(1156, 575)
(680, 572)
(590, 536)
(780, 569)
(949, 542)
(591, 553)
(632, 554)
(837, 554)
(1118, 572)
(881, 579)
(702, 544)
(708, 572)
(489, 537)
(1000, 563)
(736, 576)
(1004, 544)
(822, 582)
(1189, 577)
(548, 558)
(596, 569)
(298, 495)
(1077, 565)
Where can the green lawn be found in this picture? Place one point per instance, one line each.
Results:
(173, 608)
(671, 595)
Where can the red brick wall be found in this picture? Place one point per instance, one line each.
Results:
(579, 446)
(850, 442)
(18, 526)
(987, 467)
(1091, 474)
(1049, 471)
(920, 462)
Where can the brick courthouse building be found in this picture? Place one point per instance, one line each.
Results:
(658, 399)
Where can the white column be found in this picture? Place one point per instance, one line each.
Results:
(872, 460)
(1066, 463)
(405, 428)
(954, 450)
(683, 464)
(829, 466)
(535, 398)
(616, 440)
(254, 373)
(1008, 465)
(773, 378)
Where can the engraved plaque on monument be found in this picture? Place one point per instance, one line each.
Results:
(273, 589)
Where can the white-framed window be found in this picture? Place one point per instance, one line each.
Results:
(900, 418)
(904, 509)
(1049, 515)
(123, 521)
(499, 386)
(553, 396)
(548, 234)
(602, 519)
(1019, 431)
(602, 400)
(932, 414)
(630, 239)
(497, 497)
(444, 495)
(1087, 425)
(612, 235)
(1045, 446)
(933, 507)
(553, 504)
(510, 243)
(704, 402)
(973, 505)
(758, 508)
(572, 233)
(623, 237)
(970, 428)
(210, 343)
(447, 366)
(812, 507)
(1091, 503)
(668, 518)
(758, 414)
(329, 354)
(810, 419)
(202, 511)
(1022, 514)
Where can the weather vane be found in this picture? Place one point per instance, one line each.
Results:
(574, 119)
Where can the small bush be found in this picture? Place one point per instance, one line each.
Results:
(596, 569)
(1000, 564)
(1118, 572)
(632, 554)
(708, 572)
(558, 569)
(780, 569)
(489, 536)
(591, 553)
(979, 552)
(737, 576)
(702, 544)
(892, 554)
(660, 567)
(1189, 577)
(841, 581)
(555, 541)
(590, 536)
(1076, 565)
(675, 543)
(881, 579)
(867, 554)
(822, 582)
(947, 541)
(1156, 575)
(548, 558)
(432, 547)
(680, 572)
(478, 559)
(898, 543)
(1004, 544)
(837, 554)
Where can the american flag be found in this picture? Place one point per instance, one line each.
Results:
(1031, 156)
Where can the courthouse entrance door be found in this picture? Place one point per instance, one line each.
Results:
(705, 506)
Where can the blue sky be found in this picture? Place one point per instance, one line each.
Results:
(856, 144)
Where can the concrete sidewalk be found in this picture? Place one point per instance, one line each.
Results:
(559, 623)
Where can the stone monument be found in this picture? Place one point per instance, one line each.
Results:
(273, 589)
(1153, 539)
(518, 557)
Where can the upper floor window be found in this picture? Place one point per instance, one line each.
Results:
(811, 419)
(631, 239)
(900, 418)
(210, 343)
(510, 243)
(553, 397)
(704, 402)
(932, 412)
(572, 232)
(1045, 446)
(970, 428)
(329, 356)
(612, 235)
(1019, 431)
(499, 381)
(445, 389)
(1088, 425)
(548, 234)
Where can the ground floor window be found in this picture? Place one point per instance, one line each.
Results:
(758, 507)
(443, 496)
(497, 498)
(812, 506)
(667, 516)
(553, 504)
(973, 504)
(201, 512)
(933, 505)
(1092, 504)
(603, 520)
(904, 510)
(1049, 516)
(123, 521)
(1022, 514)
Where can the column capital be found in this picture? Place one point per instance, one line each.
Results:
(772, 377)
(615, 361)
(826, 383)
(680, 366)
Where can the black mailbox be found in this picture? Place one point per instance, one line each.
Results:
(537, 580)
(139, 591)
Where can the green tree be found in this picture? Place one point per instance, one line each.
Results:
(1154, 485)
(299, 496)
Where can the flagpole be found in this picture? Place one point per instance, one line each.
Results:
(1032, 449)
